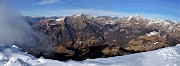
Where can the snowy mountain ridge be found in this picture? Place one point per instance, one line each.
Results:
(84, 33)
(135, 16)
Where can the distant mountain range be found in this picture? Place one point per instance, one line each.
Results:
(82, 36)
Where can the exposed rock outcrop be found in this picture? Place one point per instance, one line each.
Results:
(83, 36)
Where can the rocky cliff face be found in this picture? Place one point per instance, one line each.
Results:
(83, 36)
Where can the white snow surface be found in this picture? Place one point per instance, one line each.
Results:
(60, 19)
(152, 33)
(158, 21)
(77, 15)
(136, 16)
(163, 57)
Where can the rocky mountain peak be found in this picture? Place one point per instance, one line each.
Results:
(79, 15)
(79, 37)
(135, 16)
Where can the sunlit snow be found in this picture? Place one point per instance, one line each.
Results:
(163, 57)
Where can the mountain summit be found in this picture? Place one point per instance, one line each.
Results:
(135, 16)
(80, 36)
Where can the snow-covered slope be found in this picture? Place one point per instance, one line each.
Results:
(163, 57)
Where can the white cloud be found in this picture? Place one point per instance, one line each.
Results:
(160, 16)
(69, 12)
(46, 2)
(87, 11)
(98, 12)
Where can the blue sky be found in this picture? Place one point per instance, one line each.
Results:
(162, 9)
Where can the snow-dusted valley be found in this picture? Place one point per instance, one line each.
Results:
(170, 56)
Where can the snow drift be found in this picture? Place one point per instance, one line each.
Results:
(163, 57)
